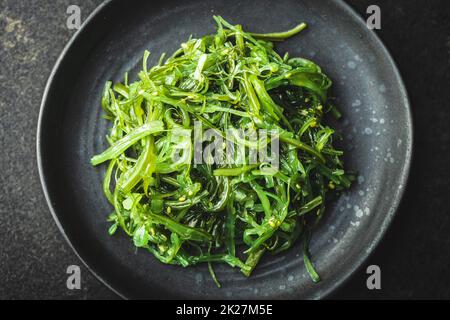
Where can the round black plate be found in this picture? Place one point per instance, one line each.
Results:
(376, 127)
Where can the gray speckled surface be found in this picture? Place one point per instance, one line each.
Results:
(33, 254)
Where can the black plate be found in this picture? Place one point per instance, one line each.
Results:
(377, 129)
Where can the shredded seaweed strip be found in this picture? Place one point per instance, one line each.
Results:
(186, 213)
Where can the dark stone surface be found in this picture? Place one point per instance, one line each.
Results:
(413, 256)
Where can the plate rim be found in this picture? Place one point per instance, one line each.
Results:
(386, 223)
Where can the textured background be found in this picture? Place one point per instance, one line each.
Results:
(414, 256)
